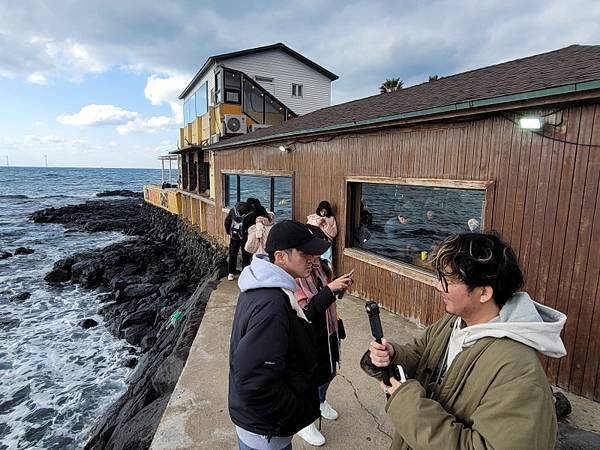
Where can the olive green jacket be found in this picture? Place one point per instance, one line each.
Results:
(495, 395)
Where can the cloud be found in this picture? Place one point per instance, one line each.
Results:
(96, 115)
(166, 90)
(37, 78)
(150, 125)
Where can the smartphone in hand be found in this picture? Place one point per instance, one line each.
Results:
(343, 291)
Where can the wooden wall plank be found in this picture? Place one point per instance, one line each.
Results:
(560, 225)
(577, 243)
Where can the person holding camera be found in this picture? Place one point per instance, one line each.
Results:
(316, 295)
(474, 379)
(273, 389)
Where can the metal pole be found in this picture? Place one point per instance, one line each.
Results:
(170, 168)
(162, 171)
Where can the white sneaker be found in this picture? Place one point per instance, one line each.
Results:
(311, 435)
(231, 277)
(327, 412)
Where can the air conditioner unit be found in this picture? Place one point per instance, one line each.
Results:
(259, 126)
(235, 124)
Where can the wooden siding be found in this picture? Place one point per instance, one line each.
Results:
(545, 201)
(285, 70)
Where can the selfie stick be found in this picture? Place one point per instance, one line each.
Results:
(377, 331)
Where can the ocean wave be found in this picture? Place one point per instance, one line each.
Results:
(14, 197)
(42, 197)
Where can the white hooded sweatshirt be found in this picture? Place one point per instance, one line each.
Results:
(521, 319)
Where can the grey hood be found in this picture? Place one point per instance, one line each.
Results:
(263, 274)
(521, 319)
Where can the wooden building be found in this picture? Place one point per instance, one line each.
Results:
(440, 153)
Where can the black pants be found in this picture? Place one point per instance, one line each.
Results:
(234, 248)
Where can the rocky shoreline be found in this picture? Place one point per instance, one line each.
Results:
(153, 289)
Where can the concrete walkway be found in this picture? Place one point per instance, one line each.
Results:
(197, 416)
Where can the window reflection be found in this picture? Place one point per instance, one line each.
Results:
(274, 193)
(406, 223)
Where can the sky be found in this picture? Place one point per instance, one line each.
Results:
(95, 83)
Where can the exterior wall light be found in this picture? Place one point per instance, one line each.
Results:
(531, 122)
(284, 149)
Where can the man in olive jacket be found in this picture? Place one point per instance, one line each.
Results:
(474, 377)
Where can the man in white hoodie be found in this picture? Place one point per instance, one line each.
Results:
(272, 360)
(474, 379)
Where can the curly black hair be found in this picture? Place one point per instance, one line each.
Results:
(480, 259)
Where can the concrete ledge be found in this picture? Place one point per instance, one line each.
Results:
(197, 416)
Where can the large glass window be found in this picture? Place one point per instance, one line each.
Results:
(274, 193)
(406, 223)
(274, 112)
(196, 104)
(232, 82)
(254, 104)
(202, 100)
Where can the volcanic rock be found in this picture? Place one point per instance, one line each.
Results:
(88, 323)
(23, 251)
(21, 296)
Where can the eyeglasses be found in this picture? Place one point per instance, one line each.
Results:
(442, 279)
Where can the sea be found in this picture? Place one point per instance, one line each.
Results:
(56, 378)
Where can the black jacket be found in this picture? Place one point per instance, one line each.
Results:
(327, 347)
(272, 366)
(242, 209)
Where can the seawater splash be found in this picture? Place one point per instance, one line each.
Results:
(56, 378)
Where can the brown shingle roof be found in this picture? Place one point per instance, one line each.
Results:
(567, 66)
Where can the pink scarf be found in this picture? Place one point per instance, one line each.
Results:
(306, 288)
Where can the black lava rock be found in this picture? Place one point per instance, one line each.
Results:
(4, 255)
(23, 251)
(88, 323)
(22, 296)
(120, 193)
(58, 276)
(168, 267)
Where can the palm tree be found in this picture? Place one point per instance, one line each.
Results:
(390, 85)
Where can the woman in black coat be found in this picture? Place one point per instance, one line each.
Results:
(316, 295)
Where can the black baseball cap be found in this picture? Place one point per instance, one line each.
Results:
(289, 234)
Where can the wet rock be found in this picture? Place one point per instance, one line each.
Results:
(167, 374)
(139, 290)
(87, 273)
(148, 342)
(100, 215)
(23, 251)
(139, 317)
(58, 276)
(167, 268)
(120, 193)
(5, 255)
(88, 323)
(178, 284)
(130, 362)
(120, 282)
(135, 334)
(21, 296)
